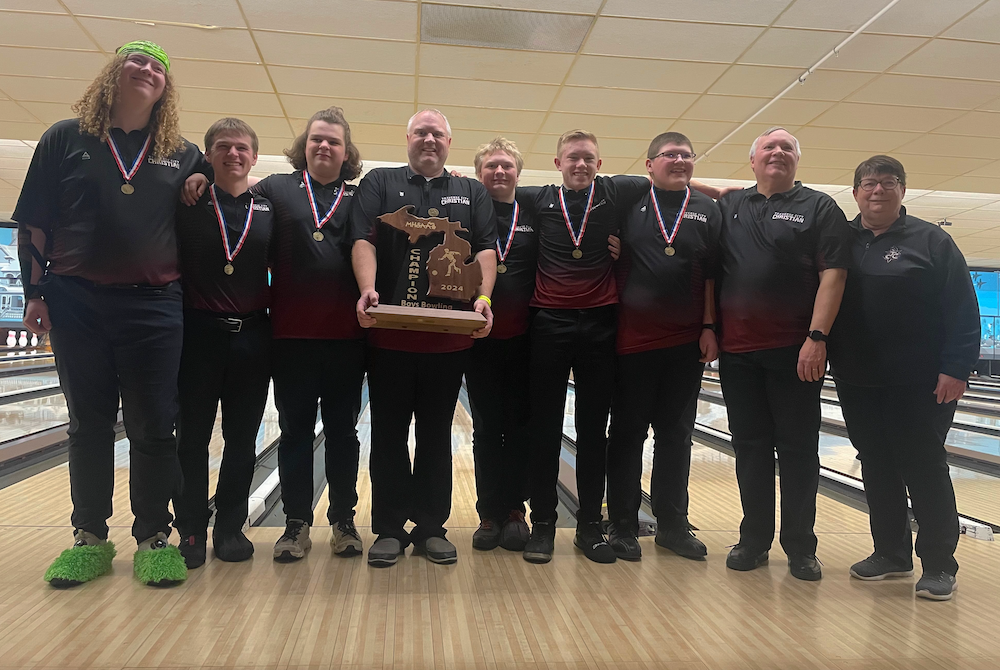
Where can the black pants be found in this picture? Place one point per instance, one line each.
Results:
(900, 432)
(770, 410)
(658, 388)
(111, 341)
(497, 378)
(236, 369)
(582, 340)
(326, 375)
(401, 386)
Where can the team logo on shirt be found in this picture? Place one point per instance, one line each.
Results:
(696, 216)
(165, 162)
(788, 216)
(602, 202)
(893, 254)
(524, 229)
(86, 156)
(261, 207)
(643, 209)
(455, 200)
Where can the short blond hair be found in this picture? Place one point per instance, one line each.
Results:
(573, 136)
(498, 145)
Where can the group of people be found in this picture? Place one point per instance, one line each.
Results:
(629, 283)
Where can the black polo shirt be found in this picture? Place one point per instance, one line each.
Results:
(206, 284)
(773, 250)
(564, 282)
(313, 291)
(662, 298)
(515, 286)
(385, 190)
(909, 310)
(73, 192)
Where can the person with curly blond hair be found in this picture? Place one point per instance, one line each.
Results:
(98, 251)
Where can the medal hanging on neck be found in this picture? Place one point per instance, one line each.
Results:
(318, 233)
(577, 239)
(128, 174)
(669, 250)
(230, 255)
(502, 253)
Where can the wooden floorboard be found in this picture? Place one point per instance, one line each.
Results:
(491, 610)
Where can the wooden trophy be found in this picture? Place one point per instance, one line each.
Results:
(449, 277)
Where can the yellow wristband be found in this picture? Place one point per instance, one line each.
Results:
(486, 300)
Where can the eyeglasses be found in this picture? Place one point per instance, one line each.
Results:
(672, 156)
(887, 184)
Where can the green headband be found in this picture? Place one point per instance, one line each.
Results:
(149, 48)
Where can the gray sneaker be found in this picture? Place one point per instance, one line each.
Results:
(384, 552)
(345, 539)
(875, 568)
(936, 585)
(294, 542)
(439, 550)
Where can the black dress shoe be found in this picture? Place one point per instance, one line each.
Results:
(744, 559)
(624, 542)
(682, 542)
(805, 566)
(232, 547)
(192, 547)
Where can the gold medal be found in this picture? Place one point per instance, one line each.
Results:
(433, 211)
(501, 268)
(229, 269)
(318, 236)
(128, 189)
(670, 251)
(577, 253)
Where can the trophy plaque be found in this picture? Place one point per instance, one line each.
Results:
(448, 275)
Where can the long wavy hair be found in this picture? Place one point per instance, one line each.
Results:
(94, 110)
(296, 154)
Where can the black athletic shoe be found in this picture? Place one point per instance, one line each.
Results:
(744, 559)
(514, 534)
(936, 585)
(624, 542)
(875, 568)
(541, 543)
(591, 541)
(232, 547)
(805, 567)
(487, 536)
(193, 549)
(682, 542)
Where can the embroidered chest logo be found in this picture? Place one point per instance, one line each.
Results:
(602, 202)
(525, 229)
(85, 157)
(893, 254)
(165, 162)
(788, 216)
(696, 216)
(455, 200)
(643, 209)
(260, 207)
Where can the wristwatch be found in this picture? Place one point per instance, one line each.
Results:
(818, 335)
(710, 326)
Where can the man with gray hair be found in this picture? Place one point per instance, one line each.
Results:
(784, 264)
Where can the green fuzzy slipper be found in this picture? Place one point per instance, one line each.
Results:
(159, 564)
(80, 564)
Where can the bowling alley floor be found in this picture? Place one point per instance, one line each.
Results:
(491, 610)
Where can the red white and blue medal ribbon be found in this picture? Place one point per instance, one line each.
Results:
(577, 239)
(129, 173)
(312, 202)
(230, 255)
(669, 237)
(510, 236)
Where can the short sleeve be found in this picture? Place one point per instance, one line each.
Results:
(365, 208)
(713, 236)
(484, 220)
(263, 188)
(629, 189)
(833, 241)
(37, 205)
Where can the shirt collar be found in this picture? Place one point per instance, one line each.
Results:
(413, 176)
(897, 226)
(753, 192)
(333, 184)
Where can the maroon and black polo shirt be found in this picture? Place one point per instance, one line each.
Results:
(516, 285)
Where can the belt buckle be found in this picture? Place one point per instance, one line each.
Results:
(238, 323)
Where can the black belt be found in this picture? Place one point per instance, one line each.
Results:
(230, 324)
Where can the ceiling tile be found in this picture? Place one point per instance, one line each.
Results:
(493, 120)
(656, 75)
(619, 148)
(389, 20)
(50, 112)
(885, 117)
(269, 126)
(215, 13)
(873, 53)
(380, 152)
(957, 201)
(754, 80)
(49, 6)
(730, 152)
(43, 30)
(21, 131)
(703, 132)
(922, 17)
(42, 89)
(760, 12)
(603, 126)
(240, 76)
(11, 111)
(798, 48)
(927, 92)
(612, 101)
(992, 106)
(494, 64)
(948, 166)
(178, 41)
(982, 24)
(230, 103)
(746, 135)
(825, 15)
(364, 111)
(42, 62)
(924, 180)
(540, 161)
(830, 85)
(435, 91)
(461, 158)
(572, 6)
(834, 159)
(724, 108)
(948, 58)
(340, 53)
(657, 39)
(811, 175)
(369, 133)
(274, 145)
(793, 112)
(612, 166)
(473, 139)
(875, 141)
(346, 84)
(952, 145)
(990, 170)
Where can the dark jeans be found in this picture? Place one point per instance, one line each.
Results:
(582, 340)
(404, 385)
(326, 375)
(497, 378)
(658, 388)
(111, 341)
(236, 369)
(770, 410)
(900, 432)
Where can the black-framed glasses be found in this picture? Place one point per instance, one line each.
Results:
(676, 155)
(888, 184)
